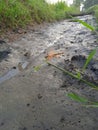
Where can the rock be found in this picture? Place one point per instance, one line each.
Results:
(39, 96)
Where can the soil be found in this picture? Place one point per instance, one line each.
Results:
(33, 93)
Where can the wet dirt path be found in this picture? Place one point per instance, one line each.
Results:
(32, 100)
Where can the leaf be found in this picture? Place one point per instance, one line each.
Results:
(37, 68)
(89, 58)
(85, 24)
(78, 75)
(95, 106)
(52, 54)
(77, 98)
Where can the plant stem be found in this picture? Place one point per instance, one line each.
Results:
(74, 76)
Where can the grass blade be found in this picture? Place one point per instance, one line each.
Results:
(79, 75)
(37, 68)
(85, 24)
(73, 75)
(89, 59)
(95, 106)
(78, 98)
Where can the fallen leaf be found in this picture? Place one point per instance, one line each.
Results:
(53, 54)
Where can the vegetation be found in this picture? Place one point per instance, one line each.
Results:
(15, 13)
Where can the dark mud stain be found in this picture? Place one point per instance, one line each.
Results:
(4, 50)
(39, 96)
(2, 42)
(62, 119)
(76, 64)
(2, 124)
(28, 104)
(4, 54)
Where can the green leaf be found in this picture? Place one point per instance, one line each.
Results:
(77, 98)
(37, 68)
(78, 75)
(85, 24)
(89, 58)
(94, 105)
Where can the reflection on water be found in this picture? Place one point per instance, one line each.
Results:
(14, 71)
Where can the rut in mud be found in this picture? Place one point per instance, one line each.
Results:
(32, 100)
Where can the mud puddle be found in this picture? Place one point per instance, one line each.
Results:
(37, 100)
(14, 71)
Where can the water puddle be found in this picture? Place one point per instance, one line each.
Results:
(14, 71)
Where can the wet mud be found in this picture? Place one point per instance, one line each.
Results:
(36, 100)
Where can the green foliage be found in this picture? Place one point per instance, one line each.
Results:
(40, 10)
(82, 100)
(15, 13)
(60, 9)
(37, 68)
(91, 55)
(77, 97)
(85, 24)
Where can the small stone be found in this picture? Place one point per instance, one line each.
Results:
(28, 104)
(62, 119)
(39, 96)
(14, 67)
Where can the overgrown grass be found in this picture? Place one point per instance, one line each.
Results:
(15, 13)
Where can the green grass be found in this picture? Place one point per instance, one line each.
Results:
(16, 13)
(13, 14)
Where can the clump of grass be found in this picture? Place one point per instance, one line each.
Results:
(13, 14)
(60, 9)
(40, 10)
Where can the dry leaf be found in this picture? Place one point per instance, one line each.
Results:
(53, 54)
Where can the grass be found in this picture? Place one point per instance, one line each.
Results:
(16, 13)
(13, 14)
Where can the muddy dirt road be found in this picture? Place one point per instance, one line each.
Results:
(36, 100)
